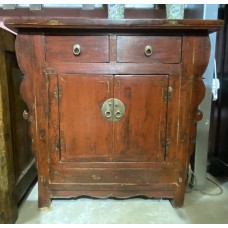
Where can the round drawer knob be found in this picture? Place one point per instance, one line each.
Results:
(76, 49)
(148, 51)
(198, 115)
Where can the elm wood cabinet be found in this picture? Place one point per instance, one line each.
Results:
(17, 164)
(113, 105)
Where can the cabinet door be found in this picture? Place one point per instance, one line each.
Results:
(87, 135)
(140, 135)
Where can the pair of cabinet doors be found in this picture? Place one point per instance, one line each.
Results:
(108, 118)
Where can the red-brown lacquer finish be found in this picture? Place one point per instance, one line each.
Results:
(116, 114)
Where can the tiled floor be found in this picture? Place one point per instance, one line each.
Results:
(198, 208)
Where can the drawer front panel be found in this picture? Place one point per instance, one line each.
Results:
(160, 49)
(92, 49)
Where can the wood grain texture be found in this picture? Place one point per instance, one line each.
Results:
(196, 52)
(17, 166)
(21, 23)
(92, 49)
(24, 165)
(131, 49)
(80, 110)
(8, 208)
(116, 68)
(140, 134)
(34, 90)
(78, 152)
(113, 176)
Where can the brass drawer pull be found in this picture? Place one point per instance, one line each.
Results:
(76, 49)
(148, 51)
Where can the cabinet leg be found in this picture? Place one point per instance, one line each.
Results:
(178, 199)
(44, 200)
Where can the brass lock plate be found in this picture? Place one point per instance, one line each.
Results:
(113, 109)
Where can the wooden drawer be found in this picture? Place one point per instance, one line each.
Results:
(165, 49)
(93, 49)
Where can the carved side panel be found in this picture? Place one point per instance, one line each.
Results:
(201, 57)
(196, 53)
(31, 56)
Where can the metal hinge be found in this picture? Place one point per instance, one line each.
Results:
(167, 93)
(59, 144)
(165, 145)
(56, 145)
(57, 89)
(48, 71)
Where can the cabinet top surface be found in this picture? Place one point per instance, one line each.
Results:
(29, 23)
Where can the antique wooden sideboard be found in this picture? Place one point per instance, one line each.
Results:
(113, 104)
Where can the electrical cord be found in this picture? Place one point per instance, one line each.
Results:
(218, 186)
(193, 188)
